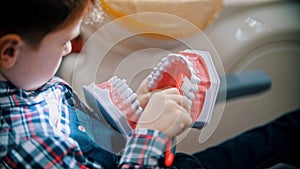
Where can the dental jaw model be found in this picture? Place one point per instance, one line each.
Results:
(116, 102)
(193, 73)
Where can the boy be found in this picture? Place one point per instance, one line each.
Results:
(36, 107)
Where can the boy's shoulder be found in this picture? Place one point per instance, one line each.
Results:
(57, 81)
(12, 96)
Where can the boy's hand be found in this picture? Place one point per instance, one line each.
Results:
(166, 111)
(143, 93)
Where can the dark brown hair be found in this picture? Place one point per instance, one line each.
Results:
(32, 20)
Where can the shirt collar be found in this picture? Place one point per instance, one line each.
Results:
(11, 96)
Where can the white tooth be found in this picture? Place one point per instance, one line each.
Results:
(165, 62)
(159, 65)
(195, 79)
(194, 87)
(157, 76)
(190, 64)
(122, 89)
(178, 58)
(155, 69)
(135, 105)
(150, 79)
(121, 86)
(186, 85)
(115, 81)
(185, 93)
(139, 111)
(184, 88)
(190, 95)
(172, 58)
(177, 55)
(192, 70)
(131, 98)
(120, 83)
(127, 93)
(151, 84)
(112, 79)
(164, 59)
(182, 59)
(155, 73)
(161, 68)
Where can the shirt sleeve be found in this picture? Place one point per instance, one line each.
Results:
(144, 149)
(39, 152)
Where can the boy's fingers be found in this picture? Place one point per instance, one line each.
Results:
(170, 90)
(181, 100)
(183, 121)
(174, 94)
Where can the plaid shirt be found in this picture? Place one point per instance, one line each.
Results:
(34, 132)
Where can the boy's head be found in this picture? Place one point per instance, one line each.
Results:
(34, 35)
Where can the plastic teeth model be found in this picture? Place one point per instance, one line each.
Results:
(194, 74)
(116, 101)
(124, 98)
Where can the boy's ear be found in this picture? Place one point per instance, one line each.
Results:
(9, 49)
